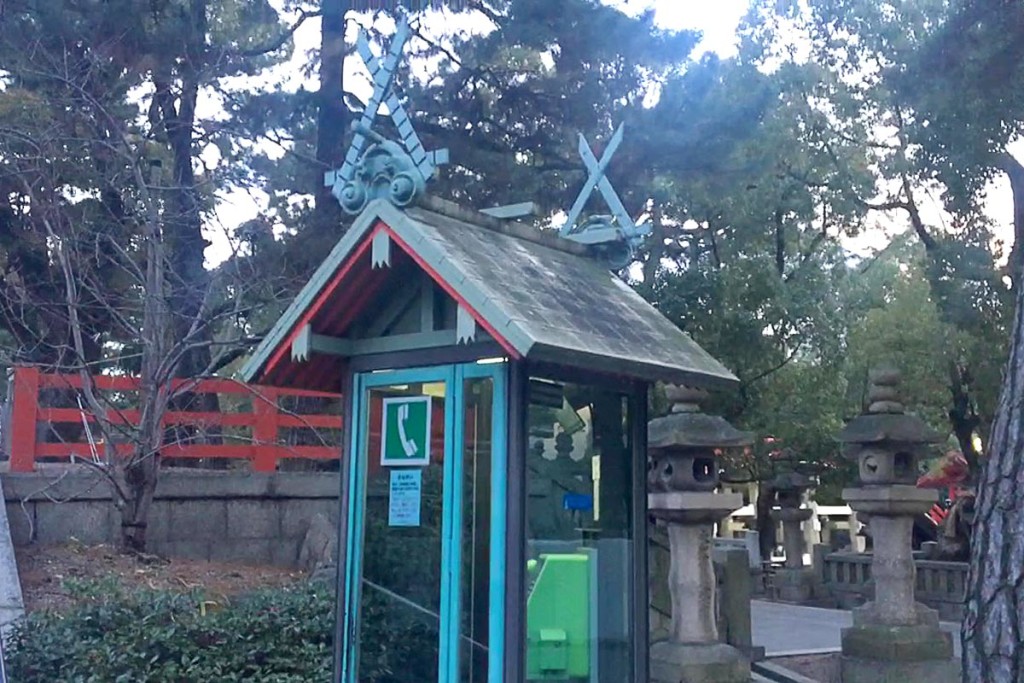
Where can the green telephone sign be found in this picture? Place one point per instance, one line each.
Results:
(405, 432)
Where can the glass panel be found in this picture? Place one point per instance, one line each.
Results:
(400, 603)
(476, 530)
(579, 535)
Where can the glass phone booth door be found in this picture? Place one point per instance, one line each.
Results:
(424, 581)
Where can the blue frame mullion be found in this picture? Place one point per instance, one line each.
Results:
(353, 564)
(497, 373)
(449, 528)
(499, 459)
(454, 539)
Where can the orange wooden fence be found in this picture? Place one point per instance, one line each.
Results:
(265, 446)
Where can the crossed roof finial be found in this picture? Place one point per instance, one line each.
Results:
(395, 170)
(617, 235)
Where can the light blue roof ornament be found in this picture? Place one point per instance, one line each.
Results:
(376, 167)
(615, 237)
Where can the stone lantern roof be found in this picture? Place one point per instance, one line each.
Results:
(886, 420)
(789, 477)
(687, 427)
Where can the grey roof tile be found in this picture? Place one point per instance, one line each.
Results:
(567, 304)
(543, 294)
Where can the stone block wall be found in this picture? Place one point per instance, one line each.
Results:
(200, 514)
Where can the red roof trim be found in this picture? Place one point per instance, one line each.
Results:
(328, 291)
(321, 300)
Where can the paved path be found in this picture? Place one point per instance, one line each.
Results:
(789, 629)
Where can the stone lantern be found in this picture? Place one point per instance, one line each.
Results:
(893, 638)
(682, 478)
(791, 486)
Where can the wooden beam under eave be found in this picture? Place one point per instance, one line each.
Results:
(307, 343)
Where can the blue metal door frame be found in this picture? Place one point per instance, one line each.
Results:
(454, 377)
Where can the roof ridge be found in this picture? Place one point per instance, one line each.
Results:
(511, 228)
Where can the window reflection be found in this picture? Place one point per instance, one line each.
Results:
(579, 534)
(476, 530)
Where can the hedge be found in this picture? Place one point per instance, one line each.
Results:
(113, 635)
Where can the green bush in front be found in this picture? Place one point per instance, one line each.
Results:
(114, 636)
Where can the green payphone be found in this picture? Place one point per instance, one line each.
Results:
(559, 618)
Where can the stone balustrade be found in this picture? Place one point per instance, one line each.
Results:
(846, 578)
(942, 586)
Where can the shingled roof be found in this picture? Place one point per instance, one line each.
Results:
(541, 297)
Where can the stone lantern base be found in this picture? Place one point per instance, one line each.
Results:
(895, 639)
(880, 653)
(698, 663)
(794, 585)
(794, 581)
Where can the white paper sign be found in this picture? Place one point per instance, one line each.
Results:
(405, 498)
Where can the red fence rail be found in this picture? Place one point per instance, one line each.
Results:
(264, 448)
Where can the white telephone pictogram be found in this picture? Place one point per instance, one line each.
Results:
(408, 445)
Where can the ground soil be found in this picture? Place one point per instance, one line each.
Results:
(44, 569)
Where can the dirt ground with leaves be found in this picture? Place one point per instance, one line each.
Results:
(44, 571)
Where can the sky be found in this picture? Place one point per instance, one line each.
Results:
(717, 20)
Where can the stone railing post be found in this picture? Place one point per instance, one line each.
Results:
(734, 605)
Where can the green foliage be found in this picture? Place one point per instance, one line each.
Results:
(92, 98)
(284, 635)
(511, 103)
(904, 324)
(970, 105)
(117, 636)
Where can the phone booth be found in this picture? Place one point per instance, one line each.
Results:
(493, 508)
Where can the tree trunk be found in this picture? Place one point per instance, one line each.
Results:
(994, 623)
(963, 417)
(138, 473)
(186, 245)
(332, 117)
(1015, 172)
(140, 477)
(188, 281)
(332, 125)
(657, 246)
(175, 99)
(763, 519)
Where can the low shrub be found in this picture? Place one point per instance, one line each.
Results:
(283, 635)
